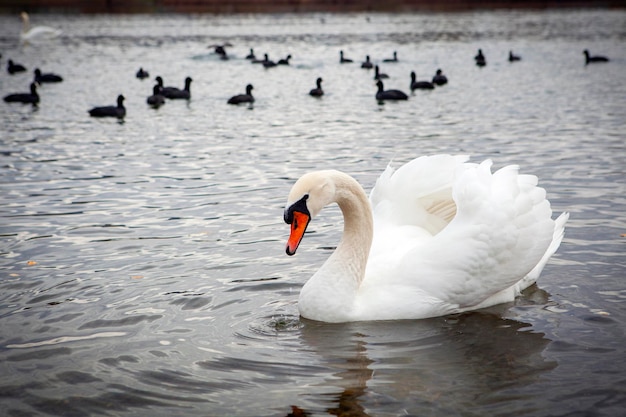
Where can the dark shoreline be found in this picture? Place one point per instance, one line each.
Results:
(290, 6)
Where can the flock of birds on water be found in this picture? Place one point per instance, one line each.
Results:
(161, 93)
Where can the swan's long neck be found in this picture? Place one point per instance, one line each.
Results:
(25, 23)
(334, 286)
(354, 247)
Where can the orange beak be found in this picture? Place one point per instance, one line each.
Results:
(298, 227)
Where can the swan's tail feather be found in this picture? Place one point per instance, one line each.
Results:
(557, 237)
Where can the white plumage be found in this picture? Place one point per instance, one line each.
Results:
(439, 235)
(37, 33)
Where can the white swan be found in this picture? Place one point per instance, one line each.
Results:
(36, 33)
(438, 236)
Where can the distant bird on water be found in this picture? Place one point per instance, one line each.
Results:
(46, 77)
(220, 50)
(439, 78)
(141, 74)
(26, 98)
(266, 61)
(36, 33)
(344, 60)
(118, 111)
(367, 64)
(14, 68)
(157, 99)
(383, 94)
(243, 98)
(394, 59)
(589, 59)
(379, 75)
(513, 57)
(420, 85)
(174, 92)
(251, 54)
(284, 61)
(480, 59)
(317, 91)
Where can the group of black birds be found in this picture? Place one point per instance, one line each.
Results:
(161, 93)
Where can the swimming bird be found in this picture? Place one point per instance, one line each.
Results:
(267, 62)
(14, 68)
(27, 98)
(46, 77)
(251, 54)
(383, 94)
(420, 85)
(157, 99)
(439, 78)
(480, 59)
(175, 92)
(284, 61)
(37, 33)
(378, 75)
(343, 60)
(243, 98)
(367, 64)
(394, 59)
(141, 74)
(118, 111)
(437, 236)
(594, 59)
(317, 91)
(513, 57)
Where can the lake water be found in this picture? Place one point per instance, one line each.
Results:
(142, 263)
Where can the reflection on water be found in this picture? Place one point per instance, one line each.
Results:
(143, 267)
(464, 362)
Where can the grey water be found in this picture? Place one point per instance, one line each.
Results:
(142, 263)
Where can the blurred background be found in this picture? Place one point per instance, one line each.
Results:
(286, 6)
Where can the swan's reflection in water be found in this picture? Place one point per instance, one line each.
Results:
(441, 366)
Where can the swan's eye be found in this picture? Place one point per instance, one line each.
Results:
(299, 205)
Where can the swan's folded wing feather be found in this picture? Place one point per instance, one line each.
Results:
(502, 230)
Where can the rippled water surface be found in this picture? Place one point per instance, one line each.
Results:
(142, 265)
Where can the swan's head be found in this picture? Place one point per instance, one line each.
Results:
(307, 198)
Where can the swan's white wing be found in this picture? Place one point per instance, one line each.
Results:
(501, 232)
(419, 193)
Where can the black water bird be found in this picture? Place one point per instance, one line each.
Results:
(175, 92)
(284, 61)
(13, 67)
(157, 99)
(439, 78)
(317, 91)
(589, 59)
(27, 98)
(221, 50)
(46, 77)
(394, 59)
(367, 64)
(382, 94)
(251, 54)
(343, 60)
(379, 75)
(243, 98)
(420, 85)
(267, 62)
(141, 74)
(513, 57)
(118, 111)
(480, 59)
